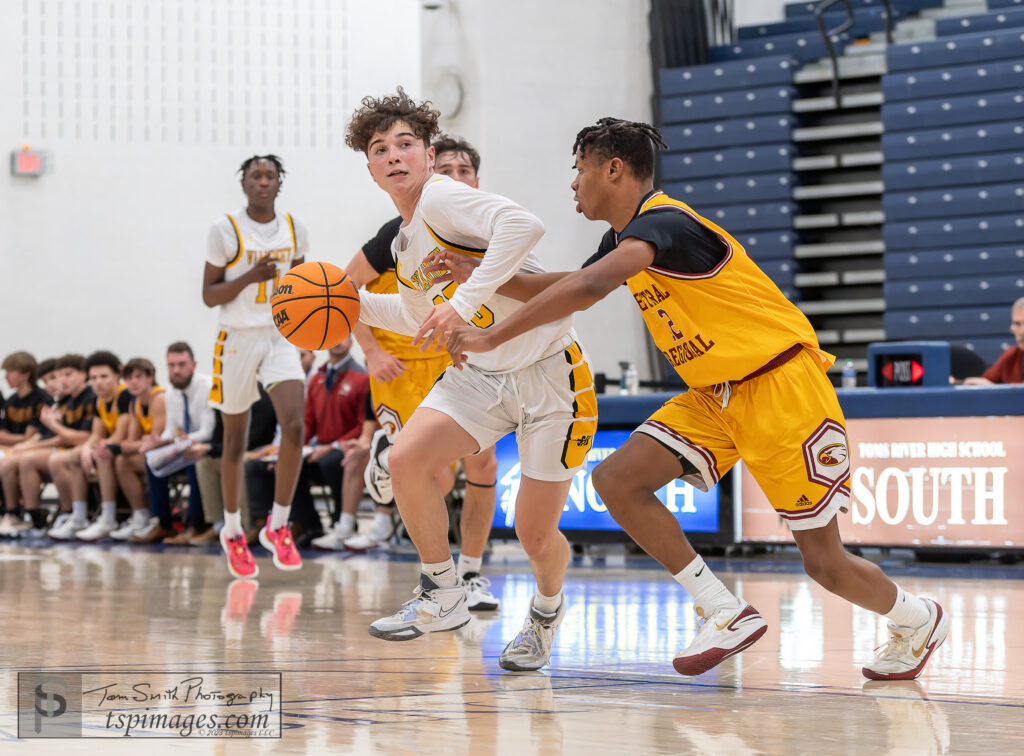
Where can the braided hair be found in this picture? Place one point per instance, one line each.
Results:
(249, 162)
(633, 142)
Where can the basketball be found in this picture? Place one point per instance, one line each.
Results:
(315, 305)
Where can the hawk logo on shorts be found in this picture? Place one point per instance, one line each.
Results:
(826, 454)
(833, 455)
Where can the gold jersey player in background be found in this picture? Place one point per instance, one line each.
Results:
(758, 391)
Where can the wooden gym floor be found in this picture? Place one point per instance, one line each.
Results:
(610, 690)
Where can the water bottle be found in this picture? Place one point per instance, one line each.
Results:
(849, 375)
(629, 381)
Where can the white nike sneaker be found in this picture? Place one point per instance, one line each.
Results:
(7, 523)
(431, 609)
(531, 648)
(724, 632)
(479, 598)
(334, 539)
(65, 527)
(903, 657)
(99, 530)
(377, 476)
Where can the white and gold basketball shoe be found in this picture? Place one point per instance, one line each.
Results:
(723, 633)
(908, 649)
(431, 609)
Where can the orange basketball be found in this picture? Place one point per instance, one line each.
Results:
(315, 305)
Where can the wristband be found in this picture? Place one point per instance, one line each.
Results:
(114, 448)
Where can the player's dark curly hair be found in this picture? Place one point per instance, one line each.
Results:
(377, 115)
(446, 143)
(633, 142)
(103, 358)
(249, 162)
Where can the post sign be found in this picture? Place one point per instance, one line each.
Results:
(952, 481)
(696, 511)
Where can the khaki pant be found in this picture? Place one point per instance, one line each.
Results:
(208, 473)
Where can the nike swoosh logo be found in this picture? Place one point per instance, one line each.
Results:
(445, 612)
(446, 569)
(698, 574)
(918, 651)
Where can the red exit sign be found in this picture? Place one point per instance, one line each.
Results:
(28, 162)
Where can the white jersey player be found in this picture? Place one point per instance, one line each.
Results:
(540, 386)
(247, 251)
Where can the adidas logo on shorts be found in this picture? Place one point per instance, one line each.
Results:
(803, 501)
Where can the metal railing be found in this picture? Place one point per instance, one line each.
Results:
(829, 34)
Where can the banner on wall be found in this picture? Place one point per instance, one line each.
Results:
(696, 511)
(935, 481)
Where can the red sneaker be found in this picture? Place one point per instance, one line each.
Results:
(281, 544)
(240, 561)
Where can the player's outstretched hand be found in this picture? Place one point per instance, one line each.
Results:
(467, 339)
(434, 330)
(449, 266)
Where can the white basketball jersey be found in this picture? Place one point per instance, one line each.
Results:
(451, 215)
(236, 243)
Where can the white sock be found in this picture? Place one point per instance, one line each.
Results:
(469, 564)
(442, 574)
(108, 512)
(79, 512)
(232, 524)
(347, 521)
(279, 516)
(908, 611)
(382, 524)
(140, 517)
(709, 593)
(547, 604)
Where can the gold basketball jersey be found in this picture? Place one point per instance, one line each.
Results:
(721, 325)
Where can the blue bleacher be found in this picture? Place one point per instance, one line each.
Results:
(747, 217)
(963, 261)
(731, 190)
(954, 292)
(741, 74)
(954, 111)
(954, 80)
(990, 168)
(954, 232)
(729, 133)
(866, 20)
(767, 245)
(739, 161)
(997, 4)
(988, 348)
(946, 322)
(955, 51)
(739, 103)
(1004, 19)
(954, 201)
(1001, 136)
(797, 10)
(802, 47)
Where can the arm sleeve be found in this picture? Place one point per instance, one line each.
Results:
(510, 232)
(386, 311)
(220, 249)
(681, 243)
(378, 249)
(207, 423)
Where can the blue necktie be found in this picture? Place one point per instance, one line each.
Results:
(188, 421)
(332, 374)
